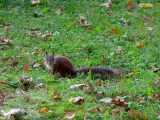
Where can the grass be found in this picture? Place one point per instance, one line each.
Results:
(71, 39)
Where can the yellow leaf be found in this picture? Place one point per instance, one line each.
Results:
(145, 5)
(42, 110)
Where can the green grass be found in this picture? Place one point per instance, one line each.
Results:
(77, 42)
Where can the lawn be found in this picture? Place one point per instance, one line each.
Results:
(122, 34)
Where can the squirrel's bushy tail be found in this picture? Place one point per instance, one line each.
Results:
(99, 70)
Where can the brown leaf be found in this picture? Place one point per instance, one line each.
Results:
(5, 40)
(155, 70)
(107, 5)
(27, 81)
(147, 20)
(4, 70)
(43, 110)
(58, 10)
(113, 31)
(26, 67)
(1, 102)
(5, 59)
(14, 62)
(38, 50)
(47, 35)
(136, 113)
(5, 27)
(106, 100)
(78, 100)
(33, 32)
(130, 4)
(84, 22)
(40, 86)
(90, 88)
(104, 58)
(76, 86)
(35, 2)
(69, 114)
(114, 111)
(118, 50)
(140, 45)
(56, 95)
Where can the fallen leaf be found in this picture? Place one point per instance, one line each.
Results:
(106, 100)
(130, 4)
(84, 22)
(69, 114)
(35, 2)
(14, 63)
(140, 45)
(147, 19)
(156, 82)
(145, 5)
(47, 35)
(114, 111)
(113, 31)
(16, 112)
(33, 32)
(100, 94)
(118, 50)
(58, 10)
(26, 67)
(5, 27)
(78, 100)
(137, 114)
(27, 81)
(5, 59)
(150, 28)
(38, 50)
(56, 95)
(90, 88)
(107, 4)
(104, 58)
(5, 40)
(77, 86)
(40, 86)
(44, 109)
(1, 102)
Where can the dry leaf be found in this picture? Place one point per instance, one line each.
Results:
(47, 35)
(76, 86)
(44, 109)
(130, 4)
(118, 50)
(145, 5)
(40, 86)
(38, 50)
(5, 27)
(136, 113)
(140, 45)
(5, 59)
(27, 81)
(107, 4)
(14, 63)
(131, 74)
(92, 109)
(100, 94)
(58, 11)
(69, 114)
(104, 58)
(78, 100)
(26, 67)
(84, 22)
(35, 2)
(150, 28)
(56, 95)
(147, 20)
(113, 31)
(5, 40)
(33, 32)
(1, 102)
(114, 111)
(90, 88)
(17, 112)
(106, 100)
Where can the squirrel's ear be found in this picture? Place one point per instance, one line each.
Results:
(52, 52)
(46, 53)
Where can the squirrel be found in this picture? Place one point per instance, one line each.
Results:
(65, 67)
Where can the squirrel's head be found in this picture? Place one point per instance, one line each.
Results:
(49, 59)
